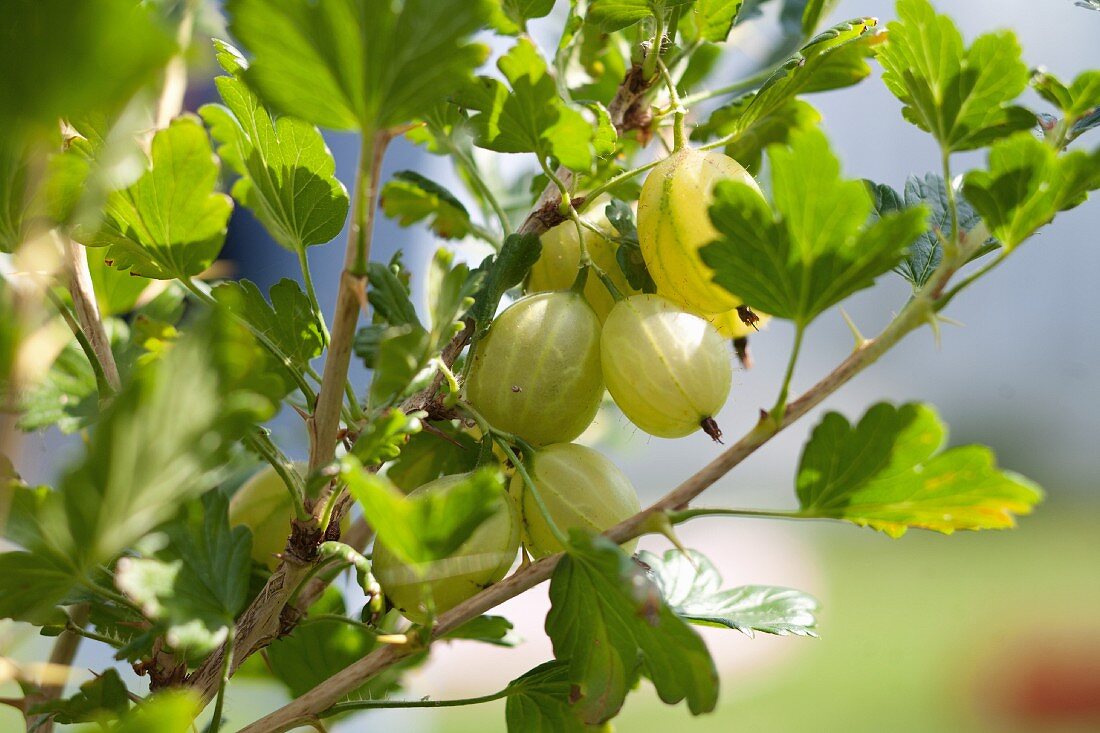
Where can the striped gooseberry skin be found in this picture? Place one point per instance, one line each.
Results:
(674, 222)
(537, 373)
(557, 266)
(581, 489)
(480, 561)
(668, 370)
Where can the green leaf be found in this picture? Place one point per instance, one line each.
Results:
(67, 395)
(775, 127)
(401, 365)
(451, 290)
(607, 621)
(1077, 100)
(691, 586)
(288, 321)
(199, 582)
(320, 647)
(926, 253)
(836, 58)
(962, 96)
(715, 18)
(510, 16)
(495, 630)
(614, 15)
(389, 296)
(503, 271)
(629, 252)
(1027, 184)
(427, 456)
(539, 701)
(410, 197)
(33, 586)
(383, 437)
(287, 172)
(196, 401)
(100, 699)
(171, 223)
(888, 473)
(14, 195)
(358, 64)
(116, 292)
(164, 712)
(532, 118)
(429, 526)
(61, 59)
(815, 247)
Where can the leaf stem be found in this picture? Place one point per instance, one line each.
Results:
(103, 386)
(261, 443)
(678, 110)
(952, 202)
(311, 293)
(219, 702)
(781, 402)
(685, 515)
(743, 85)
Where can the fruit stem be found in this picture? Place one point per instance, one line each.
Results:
(581, 280)
(781, 403)
(678, 111)
(219, 703)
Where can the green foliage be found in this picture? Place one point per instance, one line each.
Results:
(198, 583)
(164, 712)
(382, 439)
(501, 272)
(430, 526)
(609, 623)
(888, 473)
(64, 59)
(410, 197)
(171, 223)
(614, 15)
(510, 16)
(832, 60)
(349, 64)
(429, 455)
(926, 253)
(815, 247)
(287, 174)
(539, 701)
(495, 630)
(1027, 184)
(532, 118)
(714, 19)
(962, 96)
(287, 321)
(629, 252)
(102, 698)
(691, 586)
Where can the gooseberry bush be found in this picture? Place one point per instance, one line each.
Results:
(666, 210)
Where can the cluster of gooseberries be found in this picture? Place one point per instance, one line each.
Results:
(539, 375)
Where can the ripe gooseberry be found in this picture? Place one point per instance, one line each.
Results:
(557, 266)
(580, 488)
(674, 222)
(480, 561)
(668, 370)
(536, 374)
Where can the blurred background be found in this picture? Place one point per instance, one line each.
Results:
(996, 631)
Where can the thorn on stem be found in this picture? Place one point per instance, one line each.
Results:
(747, 316)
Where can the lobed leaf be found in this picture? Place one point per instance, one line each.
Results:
(410, 197)
(962, 96)
(532, 118)
(171, 223)
(691, 586)
(539, 701)
(813, 247)
(287, 174)
(1027, 184)
(888, 473)
(288, 321)
(608, 623)
(358, 64)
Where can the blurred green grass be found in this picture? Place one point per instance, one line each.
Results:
(925, 633)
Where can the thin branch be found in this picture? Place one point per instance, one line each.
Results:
(87, 311)
(61, 658)
(329, 692)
